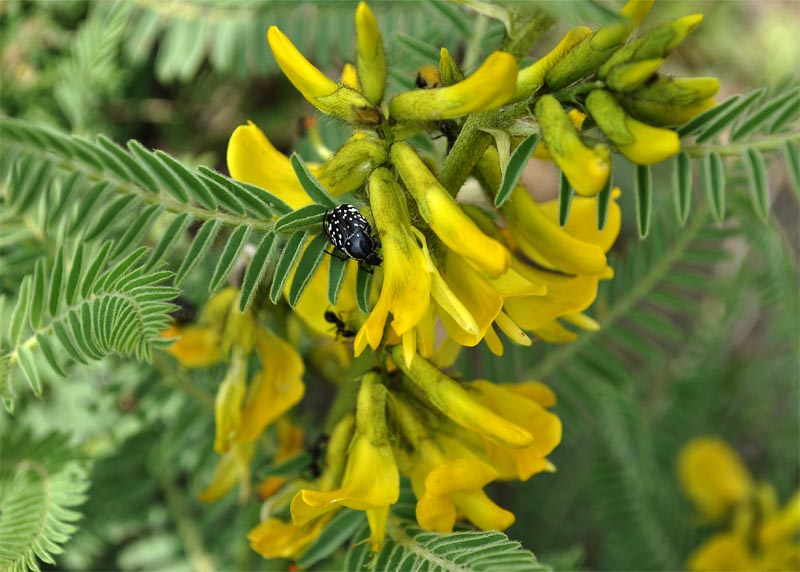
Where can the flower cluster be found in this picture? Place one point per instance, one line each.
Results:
(455, 270)
(759, 535)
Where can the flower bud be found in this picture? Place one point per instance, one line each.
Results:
(530, 79)
(659, 113)
(371, 59)
(321, 91)
(639, 142)
(349, 168)
(586, 169)
(656, 43)
(449, 73)
(628, 77)
(679, 91)
(490, 86)
(350, 77)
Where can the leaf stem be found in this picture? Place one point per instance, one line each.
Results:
(192, 539)
(735, 149)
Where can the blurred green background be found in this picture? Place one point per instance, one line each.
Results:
(700, 327)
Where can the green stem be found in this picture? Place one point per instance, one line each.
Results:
(192, 539)
(735, 149)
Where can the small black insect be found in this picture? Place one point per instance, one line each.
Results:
(350, 232)
(342, 331)
(316, 451)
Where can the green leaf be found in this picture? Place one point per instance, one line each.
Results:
(791, 152)
(74, 276)
(682, 184)
(28, 367)
(200, 244)
(38, 295)
(140, 173)
(304, 217)
(644, 199)
(137, 229)
(66, 342)
(56, 281)
(307, 267)
(312, 187)
(341, 527)
(86, 206)
(47, 351)
(42, 480)
(694, 125)
(516, 164)
(603, 200)
(363, 283)
(730, 115)
(107, 217)
(221, 191)
(191, 183)
(422, 49)
(759, 186)
(285, 264)
(410, 548)
(760, 116)
(173, 233)
(68, 189)
(256, 270)
(20, 314)
(119, 270)
(166, 179)
(291, 467)
(95, 268)
(228, 257)
(336, 274)
(714, 177)
(565, 194)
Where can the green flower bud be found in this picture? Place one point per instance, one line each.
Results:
(658, 113)
(679, 91)
(448, 69)
(628, 77)
(349, 168)
(641, 143)
(656, 43)
(371, 59)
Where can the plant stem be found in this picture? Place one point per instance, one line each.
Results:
(735, 149)
(192, 539)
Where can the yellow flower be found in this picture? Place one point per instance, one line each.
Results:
(586, 169)
(314, 302)
(406, 287)
(233, 467)
(659, 113)
(371, 481)
(524, 405)
(253, 159)
(458, 404)
(322, 92)
(713, 476)
(445, 217)
(639, 142)
(726, 551)
(371, 59)
(195, 346)
(275, 538)
(290, 442)
(350, 77)
(490, 86)
(228, 403)
(273, 390)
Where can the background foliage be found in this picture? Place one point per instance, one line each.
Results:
(700, 326)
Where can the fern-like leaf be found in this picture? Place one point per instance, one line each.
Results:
(42, 480)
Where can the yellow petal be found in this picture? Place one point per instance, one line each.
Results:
(465, 474)
(350, 77)
(784, 525)
(713, 476)
(322, 92)
(512, 330)
(554, 333)
(275, 389)
(195, 346)
(233, 467)
(582, 220)
(565, 295)
(371, 59)
(543, 241)
(482, 512)
(490, 86)
(445, 217)
(651, 145)
(726, 551)
(228, 403)
(274, 538)
(436, 513)
(586, 169)
(377, 519)
(253, 159)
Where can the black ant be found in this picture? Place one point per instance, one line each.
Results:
(342, 330)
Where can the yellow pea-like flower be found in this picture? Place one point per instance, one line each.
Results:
(371, 58)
